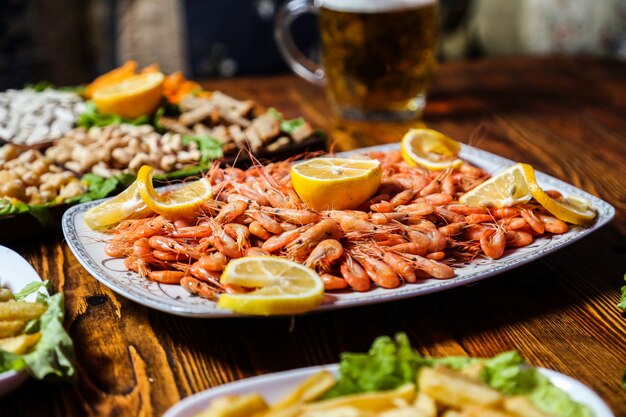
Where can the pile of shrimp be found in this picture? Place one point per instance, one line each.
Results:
(412, 229)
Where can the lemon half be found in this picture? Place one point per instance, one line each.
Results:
(430, 149)
(336, 183)
(132, 97)
(279, 286)
(180, 202)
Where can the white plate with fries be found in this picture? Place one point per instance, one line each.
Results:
(274, 387)
(88, 247)
(15, 274)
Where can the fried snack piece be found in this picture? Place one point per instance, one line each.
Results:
(235, 406)
(21, 310)
(19, 344)
(11, 328)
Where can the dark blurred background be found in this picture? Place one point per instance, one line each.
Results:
(69, 42)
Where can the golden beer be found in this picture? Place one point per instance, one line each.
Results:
(378, 56)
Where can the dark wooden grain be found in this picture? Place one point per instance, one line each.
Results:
(564, 116)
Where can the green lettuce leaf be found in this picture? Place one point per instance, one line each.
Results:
(287, 126)
(210, 148)
(92, 117)
(8, 207)
(53, 355)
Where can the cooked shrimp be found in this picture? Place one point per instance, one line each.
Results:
(240, 233)
(199, 288)
(354, 274)
(400, 266)
(492, 242)
(299, 249)
(378, 270)
(533, 221)
(552, 224)
(332, 282)
(166, 277)
(325, 253)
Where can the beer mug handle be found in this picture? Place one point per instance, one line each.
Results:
(299, 63)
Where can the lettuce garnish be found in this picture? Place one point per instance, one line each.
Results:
(53, 355)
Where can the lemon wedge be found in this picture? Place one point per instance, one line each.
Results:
(505, 189)
(336, 183)
(126, 205)
(570, 209)
(430, 149)
(279, 286)
(182, 201)
(132, 97)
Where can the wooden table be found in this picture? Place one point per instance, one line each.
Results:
(566, 117)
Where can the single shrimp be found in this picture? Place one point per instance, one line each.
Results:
(259, 231)
(448, 185)
(400, 266)
(463, 209)
(325, 253)
(505, 212)
(299, 249)
(299, 217)
(192, 232)
(437, 199)
(230, 211)
(383, 207)
(166, 277)
(267, 222)
(402, 198)
(422, 208)
(240, 233)
(211, 277)
(410, 247)
(518, 238)
(533, 221)
(492, 242)
(354, 274)
(254, 251)
(552, 224)
(433, 268)
(452, 229)
(476, 218)
(199, 288)
(353, 224)
(340, 214)
(432, 239)
(449, 216)
(227, 245)
(513, 223)
(278, 242)
(378, 270)
(168, 244)
(169, 256)
(332, 282)
(214, 262)
(436, 256)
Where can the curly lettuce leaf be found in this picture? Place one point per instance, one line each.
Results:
(622, 303)
(287, 126)
(210, 148)
(92, 117)
(53, 355)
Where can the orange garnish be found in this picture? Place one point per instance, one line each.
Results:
(112, 77)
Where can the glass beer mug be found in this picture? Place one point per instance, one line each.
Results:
(377, 57)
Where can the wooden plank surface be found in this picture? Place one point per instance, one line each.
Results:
(566, 117)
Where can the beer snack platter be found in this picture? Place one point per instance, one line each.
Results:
(88, 247)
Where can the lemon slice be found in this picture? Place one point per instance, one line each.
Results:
(336, 183)
(430, 149)
(570, 209)
(126, 205)
(132, 97)
(182, 201)
(505, 189)
(280, 286)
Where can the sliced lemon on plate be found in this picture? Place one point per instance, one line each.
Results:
(505, 189)
(336, 183)
(279, 286)
(430, 149)
(180, 202)
(126, 205)
(570, 209)
(132, 97)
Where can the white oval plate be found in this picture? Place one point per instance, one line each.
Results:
(275, 386)
(88, 247)
(15, 274)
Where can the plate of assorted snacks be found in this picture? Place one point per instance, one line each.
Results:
(62, 146)
(32, 338)
(393, 380)
(363, 227)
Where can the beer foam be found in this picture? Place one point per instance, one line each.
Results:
(372, 6)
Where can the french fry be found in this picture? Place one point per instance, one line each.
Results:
(403, 412)
(19, 344)
(21, 310)
(426, 405)
(11, 328)
(310, 390)
(456, 390)
(523, 407)
(235, 406)
(340, 412)
(368, 401)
